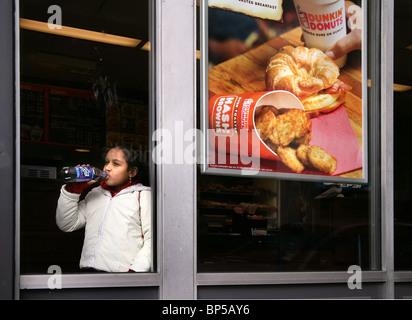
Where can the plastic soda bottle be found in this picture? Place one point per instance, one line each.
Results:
(82, 174)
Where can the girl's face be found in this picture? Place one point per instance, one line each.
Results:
(117, 170)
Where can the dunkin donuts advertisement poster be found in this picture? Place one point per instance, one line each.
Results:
(284, 89)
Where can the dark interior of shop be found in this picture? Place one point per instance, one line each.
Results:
(402, 113)
(116, 72)
(244, 224)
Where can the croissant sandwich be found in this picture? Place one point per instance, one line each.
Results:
(310, 75)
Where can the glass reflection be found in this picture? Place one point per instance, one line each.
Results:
(260, 225)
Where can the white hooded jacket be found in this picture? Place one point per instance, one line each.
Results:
(117, 228)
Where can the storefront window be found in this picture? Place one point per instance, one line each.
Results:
(287, 222)
(268, 225)
(402, 173)
(84, 88)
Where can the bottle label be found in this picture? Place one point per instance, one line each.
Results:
(84, 174)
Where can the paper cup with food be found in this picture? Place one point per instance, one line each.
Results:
(269, 125)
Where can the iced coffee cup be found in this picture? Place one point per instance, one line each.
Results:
(323, 23)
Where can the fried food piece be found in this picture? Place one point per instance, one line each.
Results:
(321, 160)
(302, 154)
(283, 133)
(288, 133)
(265, 122)
(303, 140)
(288, 156)
(303, 123)
(293, 124)
(316, 158)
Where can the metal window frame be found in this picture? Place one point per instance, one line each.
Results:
(7, 151)
(70, 281)
(386, 127)
(233, 279)
(176, 87)
(381, 199)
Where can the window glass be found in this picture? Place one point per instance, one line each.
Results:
(248, 224)
(402, 173)
(84, 72)
(268, 225)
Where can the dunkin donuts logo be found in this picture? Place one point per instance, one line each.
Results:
(321, 22)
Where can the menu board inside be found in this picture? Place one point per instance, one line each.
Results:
(32, 113)
(61, 116)
(69, 116)
(75, 118)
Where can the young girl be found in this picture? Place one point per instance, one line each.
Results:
(116, 216)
